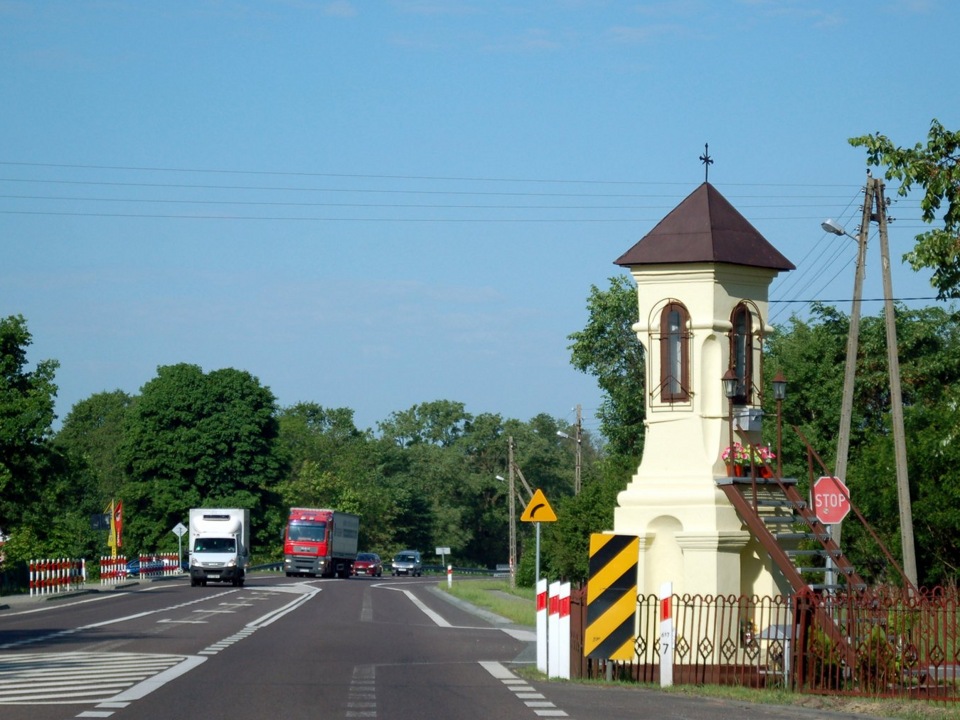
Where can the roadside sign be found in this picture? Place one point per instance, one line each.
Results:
(443, 551)
(831, 500)
(539, 509)
(179, 530)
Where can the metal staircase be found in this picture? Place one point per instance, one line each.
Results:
(786, 526)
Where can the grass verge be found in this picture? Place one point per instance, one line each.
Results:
(516, 604)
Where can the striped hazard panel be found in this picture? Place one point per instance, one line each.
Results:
(611, 597)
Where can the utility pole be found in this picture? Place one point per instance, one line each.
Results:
(579, 439)
(874, 198)
(513, 516)
(896, 397)
(853, 339)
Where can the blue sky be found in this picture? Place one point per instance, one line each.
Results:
(377, 204)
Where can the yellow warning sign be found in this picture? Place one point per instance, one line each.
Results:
(539, 509)
(611, 597)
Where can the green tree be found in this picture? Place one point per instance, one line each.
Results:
(608, 349)
(335, 465)
(935, 167)
(90, 438)
(566, 543)
(26, 418)
(198, 440)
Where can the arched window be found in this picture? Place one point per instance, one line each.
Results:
(674, 354)
(741, 353)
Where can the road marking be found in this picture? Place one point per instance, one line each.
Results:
(523, 691)
(84, 677)
(426, 611)
(362, 696)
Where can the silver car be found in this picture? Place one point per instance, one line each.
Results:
(407, 562)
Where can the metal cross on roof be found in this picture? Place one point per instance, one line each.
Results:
(707, 161)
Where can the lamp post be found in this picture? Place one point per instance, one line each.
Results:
(779, 393)
(730, 383)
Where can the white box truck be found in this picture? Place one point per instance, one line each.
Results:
(219, 545)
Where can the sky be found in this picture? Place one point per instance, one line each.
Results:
(372, 205)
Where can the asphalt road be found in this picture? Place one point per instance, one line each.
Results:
(285, 649)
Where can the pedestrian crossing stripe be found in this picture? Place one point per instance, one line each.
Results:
(611, 597)
(83, 677)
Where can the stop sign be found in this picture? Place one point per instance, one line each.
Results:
(830, 500)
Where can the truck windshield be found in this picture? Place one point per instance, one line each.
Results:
(217, 545)
(312, 532)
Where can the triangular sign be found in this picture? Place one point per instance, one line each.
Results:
(539, 509)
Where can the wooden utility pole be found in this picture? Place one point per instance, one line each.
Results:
(874, 198)
(513, 516)
(896, 396)
(853, 339)
(579, 439)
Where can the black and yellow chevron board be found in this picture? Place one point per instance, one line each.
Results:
(611, 597)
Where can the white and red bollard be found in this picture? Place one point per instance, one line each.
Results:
(668, 634)
(542, 625)
(553, 631)
(563, 621)
(449, 575)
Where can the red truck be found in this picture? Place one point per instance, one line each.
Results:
(320, 542)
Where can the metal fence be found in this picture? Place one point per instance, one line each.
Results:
(883, 643)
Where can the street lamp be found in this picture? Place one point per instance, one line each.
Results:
(730, 383)
(779, 394)
(832, 226)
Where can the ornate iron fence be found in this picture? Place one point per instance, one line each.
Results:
(883, 643)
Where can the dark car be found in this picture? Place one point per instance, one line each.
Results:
(368, 564)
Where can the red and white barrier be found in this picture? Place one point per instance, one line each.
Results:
(54, 576)
(152, 566)
(112, 570)
(553, 631)
(563, 621)
(542, 625)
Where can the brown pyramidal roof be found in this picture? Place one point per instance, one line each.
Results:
(705, 227)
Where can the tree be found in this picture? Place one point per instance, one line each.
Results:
(198, 440)
(26, 418)
(608, 349)
(935, 167)
(90, 438)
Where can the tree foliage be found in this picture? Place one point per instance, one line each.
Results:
(608, 349)
(197, 440)
(935, 167)
(26, 418)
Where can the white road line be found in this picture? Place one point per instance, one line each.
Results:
(523, 691)
(426, 611)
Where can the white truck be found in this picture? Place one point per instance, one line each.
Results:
(219, 545)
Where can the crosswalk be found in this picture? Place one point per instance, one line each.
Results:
(79, 677)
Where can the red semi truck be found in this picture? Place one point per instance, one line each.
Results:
(320, 542)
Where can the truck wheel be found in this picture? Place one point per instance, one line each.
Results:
(193, 583)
